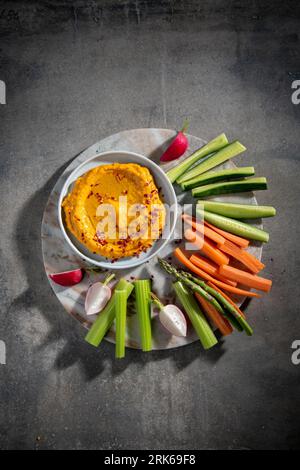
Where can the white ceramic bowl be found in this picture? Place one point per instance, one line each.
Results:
(161, 180)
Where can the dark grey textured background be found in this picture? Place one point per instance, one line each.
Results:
(79, 71)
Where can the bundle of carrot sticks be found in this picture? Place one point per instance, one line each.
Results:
(211, 258)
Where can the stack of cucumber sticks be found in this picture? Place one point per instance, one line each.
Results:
(199, 174)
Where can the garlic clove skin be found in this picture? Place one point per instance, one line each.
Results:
(173, 320)
(96, 298)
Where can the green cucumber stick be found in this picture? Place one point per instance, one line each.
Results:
(231, 150)
(198, 320)
(238, 211)
(233, 226)
(212, 146)
(142, 289)
(229, 187)
(220, 175)
(121, 312)
(105, 318)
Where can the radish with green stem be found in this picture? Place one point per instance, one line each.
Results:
(97, 296)
(171, 317)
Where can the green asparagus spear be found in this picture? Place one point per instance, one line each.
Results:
(210, 293)
(198, 320)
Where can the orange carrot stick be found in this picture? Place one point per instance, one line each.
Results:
(229, 236)
(254, 260)
(210, 268)
(217, 318)
(184, 260)
(248, 260)
(247, 279)
(227, 298)
(201, 228)
(206, 247)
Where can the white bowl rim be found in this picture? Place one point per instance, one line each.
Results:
(109, 264)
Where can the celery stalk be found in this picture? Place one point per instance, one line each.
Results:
(143, 306)
(212, 146)
(224, 154)
(197, 318)
(107, 316)
(121, 311)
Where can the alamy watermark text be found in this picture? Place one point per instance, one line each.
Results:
(296, 94)
(2, 352)
(296, 354)
(2, 92)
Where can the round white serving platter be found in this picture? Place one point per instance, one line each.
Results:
(58, 256)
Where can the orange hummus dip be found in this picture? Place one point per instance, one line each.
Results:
(115, 210)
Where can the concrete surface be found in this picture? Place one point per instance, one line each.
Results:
(76, 72)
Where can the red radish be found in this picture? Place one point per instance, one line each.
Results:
(178, 145)
(67, 278)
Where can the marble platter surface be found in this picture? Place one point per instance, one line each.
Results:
(58, 256)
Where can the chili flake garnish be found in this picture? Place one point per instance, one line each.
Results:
(119, 177)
